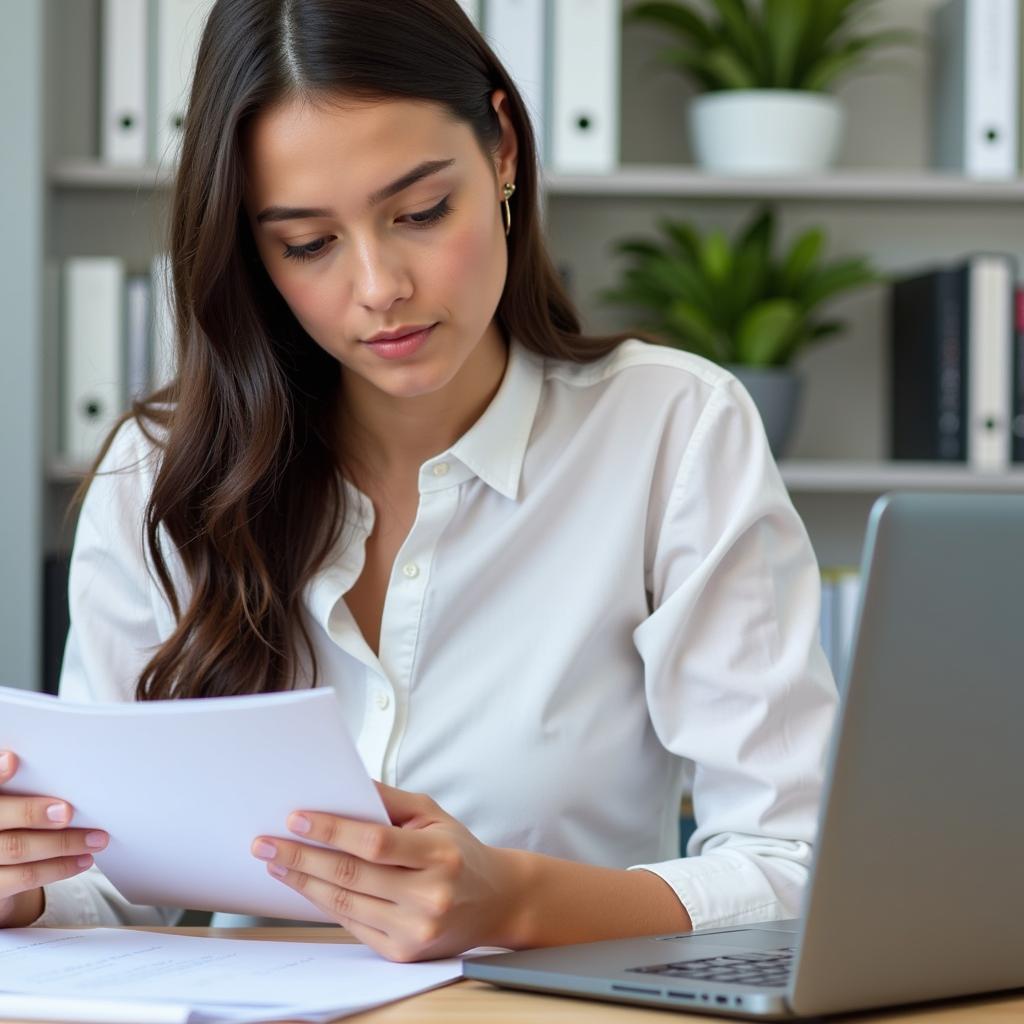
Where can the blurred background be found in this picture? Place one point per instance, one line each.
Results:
(841, 264)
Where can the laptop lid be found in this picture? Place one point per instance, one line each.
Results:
(916, 891)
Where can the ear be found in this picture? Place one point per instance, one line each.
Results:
(508, 149)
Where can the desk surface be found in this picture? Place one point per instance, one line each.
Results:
(475, 1002)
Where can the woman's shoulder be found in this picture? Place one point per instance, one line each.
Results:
(124, 475)
(137, 444)
(638, 367)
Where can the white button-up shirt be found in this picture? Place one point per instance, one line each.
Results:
(606, 599)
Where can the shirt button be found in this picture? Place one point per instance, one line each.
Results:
(412, 570)
(382, 700)
(440, 468)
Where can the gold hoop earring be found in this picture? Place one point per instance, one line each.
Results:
(507, 190)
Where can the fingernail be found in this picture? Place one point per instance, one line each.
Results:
(95, 840)
(265, 851)
(84, 861)
(57, 812)
(301, 824)
(5, 763)
(276, 869)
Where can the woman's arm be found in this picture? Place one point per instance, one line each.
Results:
(111, 637)
(553, 902)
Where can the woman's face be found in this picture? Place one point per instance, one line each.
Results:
(360, 257)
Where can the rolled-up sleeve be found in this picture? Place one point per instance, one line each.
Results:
(736, 679)
(113, 633)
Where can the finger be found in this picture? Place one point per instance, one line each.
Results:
(341, 869)
(22, 877)
(21, 847)
(34, 812)
(8, 765)
(341, 905)
(378, 844)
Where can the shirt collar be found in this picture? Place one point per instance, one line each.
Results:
(495, 446)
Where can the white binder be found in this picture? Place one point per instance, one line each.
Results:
(976, 87)
(91, 335)
(517, 31)
(124, 105)
(137, 350)
(162, 347)
(178, 28)
(990, 362)
(585, 73)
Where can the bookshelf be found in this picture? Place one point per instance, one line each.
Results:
(881, 201)
(659, 181)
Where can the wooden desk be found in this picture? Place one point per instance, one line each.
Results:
(476, 1002)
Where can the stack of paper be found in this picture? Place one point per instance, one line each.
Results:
(118, 975)
(185, 786)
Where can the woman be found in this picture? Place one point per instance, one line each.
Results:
(554, 578)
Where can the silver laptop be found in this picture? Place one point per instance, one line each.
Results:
(917, 887)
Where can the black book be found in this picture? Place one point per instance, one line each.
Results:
(928, 365)
(56, 618)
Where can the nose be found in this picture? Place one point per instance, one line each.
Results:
(381, 276)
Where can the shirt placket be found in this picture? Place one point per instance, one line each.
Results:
(388, 688)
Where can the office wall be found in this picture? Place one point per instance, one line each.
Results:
(21, 214)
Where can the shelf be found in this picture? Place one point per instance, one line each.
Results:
(93, 174)
(659, 181)
(805, 476)
(810, 476)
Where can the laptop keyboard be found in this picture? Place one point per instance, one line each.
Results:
(768, 970)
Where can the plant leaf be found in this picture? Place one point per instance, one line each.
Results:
(785, 22)
(738, 25)
(766, 331)
(690, 324)
(751, 273)
(803, 255)
(833, 279)
(729, 68)
(821, 73)
(675, 17)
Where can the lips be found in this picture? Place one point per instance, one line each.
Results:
(402, 332)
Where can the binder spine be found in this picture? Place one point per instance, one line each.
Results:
(92, 336)
(585, 87)
(990, 315)
(991, 88)
(951, 379)
(124, 110)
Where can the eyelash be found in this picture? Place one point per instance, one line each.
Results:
(431, 217)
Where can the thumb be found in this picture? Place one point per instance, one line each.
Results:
(405, 808)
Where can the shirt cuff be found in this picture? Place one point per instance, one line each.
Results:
(69, 904)
(719, 889)
(92, 899)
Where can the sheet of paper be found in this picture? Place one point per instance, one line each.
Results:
(184, 786)
(213, 978)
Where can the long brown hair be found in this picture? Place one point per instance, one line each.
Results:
(248, 487)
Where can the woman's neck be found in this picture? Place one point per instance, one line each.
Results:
(394, 436)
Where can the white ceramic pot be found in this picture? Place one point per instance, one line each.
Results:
(765, 131)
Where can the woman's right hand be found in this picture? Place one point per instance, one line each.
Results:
(36, 848)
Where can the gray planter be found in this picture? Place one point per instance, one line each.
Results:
(776, 391)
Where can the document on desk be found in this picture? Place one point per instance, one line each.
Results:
(184, 786)
(120, 975)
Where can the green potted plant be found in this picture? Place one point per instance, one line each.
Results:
(764, 71)
(738, 304)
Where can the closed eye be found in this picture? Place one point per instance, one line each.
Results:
(427, 218)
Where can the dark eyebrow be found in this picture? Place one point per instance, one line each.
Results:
(399, 184)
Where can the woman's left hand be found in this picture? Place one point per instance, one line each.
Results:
(422, 888)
